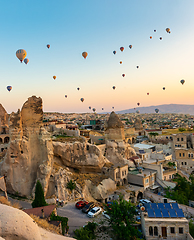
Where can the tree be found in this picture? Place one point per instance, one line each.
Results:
(39, 200)
(121, 220)
(182, 129)
(87, 232)
(71, 185)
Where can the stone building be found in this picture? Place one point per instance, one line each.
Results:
(4, 129)
(138, 127)
(114, 129)
(164, 221)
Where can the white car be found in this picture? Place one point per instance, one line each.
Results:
(144, 201)
(105, 214)
(94, 212)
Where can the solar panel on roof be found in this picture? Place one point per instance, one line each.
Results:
(161, 205)
(172, 213)
(175, 205)
(167, 205)
(154, 205)
(165, 213)
(158, 213)
(180, 213)
(147, 205)
(150, 213)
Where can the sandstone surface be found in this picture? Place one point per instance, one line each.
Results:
(30, 151)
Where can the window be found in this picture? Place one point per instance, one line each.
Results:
(88, 147)
(181, 139)
(179, 154)
(172, 230)
(192, 155)
(164, 178)
(169, 176)
(155, 231)
(151, 231)
(183, 154)
(185, 163)
(152, 178)
(147, 180)
(177, 139)
(125, 172)
(189, 155)
(175, 145)
(182, 163)
(181, 230)
(122, 173)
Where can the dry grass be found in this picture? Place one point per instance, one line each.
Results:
(69, 139)
(57, 166)
(174, 131)
(4, 200)
(94, 178)
(44, 224)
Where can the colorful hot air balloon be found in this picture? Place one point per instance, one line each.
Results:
(114, 52)
(21, 54)
(82, 99)
(9, 88)
(78, 88)
(138, 104)
(137, 111)
(137, 67)
(48, 45)
(89, 107)
(121, 62)
(157, 110)
(182, 81)
(167, 30)
(113, 87)
(164, 88)
(54, 77)
(130, 46)
(154, 30)
(160, 38)
(121, 48)
(85, 54)
(148, 93)
(150, 37)
(93, 109)
(65, 96)
(123, 75)
(26, 60)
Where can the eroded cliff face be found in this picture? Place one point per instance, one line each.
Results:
(30, 151)
(83, 156)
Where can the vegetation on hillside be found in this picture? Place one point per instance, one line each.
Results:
(39, 200)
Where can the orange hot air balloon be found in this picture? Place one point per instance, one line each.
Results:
(130, 46)
(121, 48)
(121, 62)
(21, 54)
(48, 45)
(82, 99)
(54, 77)
(85, 54)
(150, 37)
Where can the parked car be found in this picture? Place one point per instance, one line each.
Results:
(94, 212)
(144, 201)
(81, 204)
(105, 214)
(87, 207)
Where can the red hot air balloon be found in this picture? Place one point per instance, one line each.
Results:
(138, 104)
(48, 45)
(122, 49)
(148, 93)
(123, 75)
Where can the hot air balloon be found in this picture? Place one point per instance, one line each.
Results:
(121, 48)
(9, 88)
(137, 66)
(65, 96)
(48, 45)
(182, 81)
(113, 87)
(85, 54)
(154, 30)
(78, 88)
(89, 107)
(113, 107)
(167, 30)
(134, 108)
(102, 109)
(123, 75)
(130, 46)
(93, 109)
(82, 99)
(21, 54)
(121, 62)
(137, 111)
(54, 77)
(157, 110)
(26, 60)
(114, 52)
(150, 37)
(138, 104)
(164, 88)
(148, 93)
(160, 38)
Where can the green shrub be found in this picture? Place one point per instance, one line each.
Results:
(64, 222)
(71, 185)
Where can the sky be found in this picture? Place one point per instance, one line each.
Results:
(99, 28)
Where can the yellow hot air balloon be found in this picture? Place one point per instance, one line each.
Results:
(167, 30)
(21, 54)
(54, 77)
(85, 54)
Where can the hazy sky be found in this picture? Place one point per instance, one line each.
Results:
(98, 27)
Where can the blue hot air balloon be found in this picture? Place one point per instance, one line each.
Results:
(9, 88)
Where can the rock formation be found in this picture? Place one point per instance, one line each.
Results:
(30, 151)
(138, 125)
(83, 156)
(114, 128)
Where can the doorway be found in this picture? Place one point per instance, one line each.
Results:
(164, 232)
